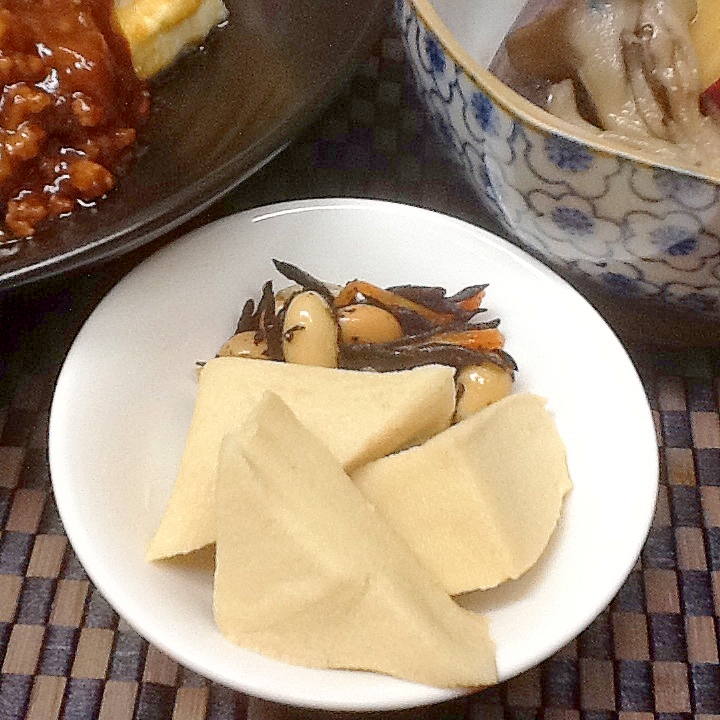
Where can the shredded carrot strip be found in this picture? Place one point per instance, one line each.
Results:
(482, 339)
(348, 296)
(472, 303)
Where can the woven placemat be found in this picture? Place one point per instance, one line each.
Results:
(64, 652)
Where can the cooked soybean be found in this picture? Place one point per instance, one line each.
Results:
(478, 386)
(310, 331)
(244, 344)
(367, 324)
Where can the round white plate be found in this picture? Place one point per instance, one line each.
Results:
(125, 396)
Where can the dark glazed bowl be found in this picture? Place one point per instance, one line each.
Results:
(218, 115)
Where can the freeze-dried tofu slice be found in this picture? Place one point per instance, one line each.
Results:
(360, 415)
(479, 502)
(308, 572)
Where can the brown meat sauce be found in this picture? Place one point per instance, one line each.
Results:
(70, 108)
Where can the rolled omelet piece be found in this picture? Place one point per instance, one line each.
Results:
(309, 573)
(361, 416)
(479, 502)
(158, 31)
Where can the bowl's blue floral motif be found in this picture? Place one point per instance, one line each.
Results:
(637, 231)
(690, 192)
(676, 239)
(556, 218)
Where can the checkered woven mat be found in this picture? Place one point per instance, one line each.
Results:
(64, 652)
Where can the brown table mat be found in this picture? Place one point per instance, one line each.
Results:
(64, 653)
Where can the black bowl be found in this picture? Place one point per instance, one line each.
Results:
(219, 114)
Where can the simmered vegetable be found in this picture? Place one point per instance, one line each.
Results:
(626, 68)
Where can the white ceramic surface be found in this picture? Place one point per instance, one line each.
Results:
(597, 211)
(125, 396)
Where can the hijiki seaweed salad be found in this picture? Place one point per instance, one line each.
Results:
(361, 326)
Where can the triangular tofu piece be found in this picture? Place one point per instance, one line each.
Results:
(478, 502)
(309, 573)
(361, 416)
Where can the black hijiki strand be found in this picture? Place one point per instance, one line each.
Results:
(304, 279)
(264, 322)
(382, 358)
(434, 298)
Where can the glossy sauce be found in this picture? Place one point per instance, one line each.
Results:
(70, 107)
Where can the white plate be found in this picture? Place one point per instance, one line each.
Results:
(125, 396)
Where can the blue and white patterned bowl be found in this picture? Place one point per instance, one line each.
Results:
(596, 212)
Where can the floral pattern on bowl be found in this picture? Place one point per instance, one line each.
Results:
(633, 229)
